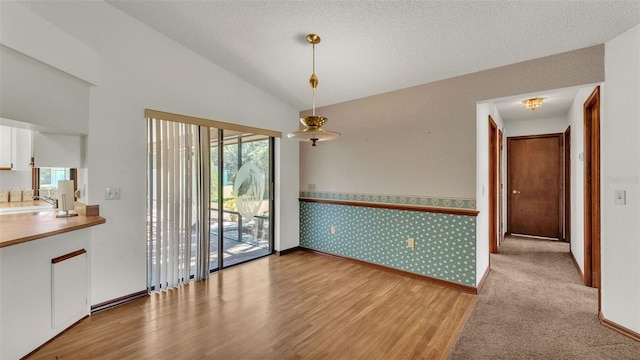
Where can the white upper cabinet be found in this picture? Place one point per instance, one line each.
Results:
(22, 149)
(15, 148)
(6, 148)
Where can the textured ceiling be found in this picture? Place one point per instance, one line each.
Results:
(372, 47)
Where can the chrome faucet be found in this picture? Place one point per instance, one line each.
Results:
(53, 202)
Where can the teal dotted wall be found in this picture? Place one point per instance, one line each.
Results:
(444, 243)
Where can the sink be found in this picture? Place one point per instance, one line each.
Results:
(25, 209)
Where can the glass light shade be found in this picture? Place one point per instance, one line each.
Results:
(313, 130)
(533, 103)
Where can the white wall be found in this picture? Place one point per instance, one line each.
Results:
(575, 118)
(15, 180)
(535, 127)
(483, 110)
(620, 170)
(36, 93)
(27, 33)
(421, 141)
(139, 69)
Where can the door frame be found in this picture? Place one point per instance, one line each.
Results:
(501, 231)
(592, 191)
(493, 186)
(567, 186)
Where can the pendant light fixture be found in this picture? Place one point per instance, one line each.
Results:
(313, 130)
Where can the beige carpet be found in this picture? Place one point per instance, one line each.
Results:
(534, 306)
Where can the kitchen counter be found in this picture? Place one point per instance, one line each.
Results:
(45, 286)
(16, 205)
(24, 227)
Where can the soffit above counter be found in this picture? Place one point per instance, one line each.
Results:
(25, 32)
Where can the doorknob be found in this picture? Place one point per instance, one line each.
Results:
(515, 192)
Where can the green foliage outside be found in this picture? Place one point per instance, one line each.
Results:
(254, 151)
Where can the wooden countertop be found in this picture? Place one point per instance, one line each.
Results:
(23, 227)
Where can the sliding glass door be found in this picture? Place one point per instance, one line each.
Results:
(209, 198)
(241, 205)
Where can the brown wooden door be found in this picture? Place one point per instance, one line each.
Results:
(533, 185)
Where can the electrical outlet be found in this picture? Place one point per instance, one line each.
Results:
(333, 230)
(410, 243)
(112, 193)
(621, 197)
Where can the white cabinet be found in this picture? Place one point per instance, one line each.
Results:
(15, 148)
(21, 149)
(6, 147)
(68, 288)
(40, 298)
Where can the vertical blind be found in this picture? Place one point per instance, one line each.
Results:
(178, 225)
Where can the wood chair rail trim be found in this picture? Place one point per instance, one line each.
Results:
(437, 210)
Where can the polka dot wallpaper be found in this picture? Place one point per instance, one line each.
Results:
(444, 244)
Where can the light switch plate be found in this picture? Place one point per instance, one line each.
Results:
(620, 197)
(112, 193)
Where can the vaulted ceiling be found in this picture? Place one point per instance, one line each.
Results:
(372, 47)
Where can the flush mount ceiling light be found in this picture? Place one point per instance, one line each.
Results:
(532, 103)
(313, 124)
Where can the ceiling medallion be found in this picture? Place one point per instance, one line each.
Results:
(313, 130)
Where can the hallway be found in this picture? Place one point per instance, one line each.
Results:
(533, 306)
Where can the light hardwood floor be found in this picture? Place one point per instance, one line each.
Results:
(297, 306)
